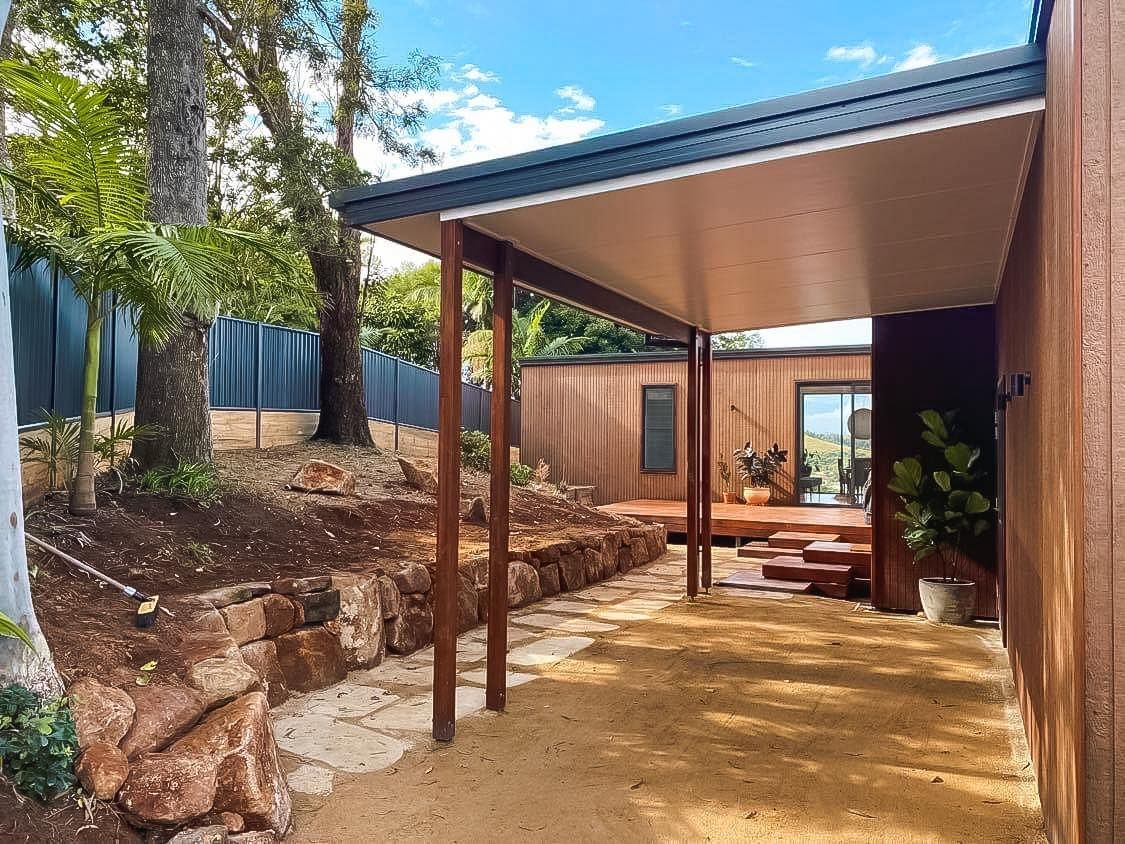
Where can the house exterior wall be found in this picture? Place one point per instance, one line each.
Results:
(584, 419)
(945, 360)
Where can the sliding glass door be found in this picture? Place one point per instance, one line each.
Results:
(834, 432)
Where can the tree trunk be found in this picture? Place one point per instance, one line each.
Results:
(172, 381)
(82, 500)
(9, 191)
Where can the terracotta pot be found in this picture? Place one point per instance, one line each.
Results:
(756, 495)
(730, 498)
(948, 601)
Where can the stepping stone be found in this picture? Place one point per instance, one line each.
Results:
(549, 651)
(570, 625)
(575, 607)
(612, 613)
(515, 634)
(346, 700)
(338, 744)
(538, 619)
(468, 652)
(395, 672)
(416, 714)
(311, 779)
(619, 584)
(643, 604)
(479, 676)
(671, 571)
(755, 580)
(799, 539)
(604, 593)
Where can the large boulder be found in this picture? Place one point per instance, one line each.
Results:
(389, 597)
(477, 513)
(421, 479)
(262, 657)
(163, 713)
(467, 615)
(359, 623)
(317, 607)
(523, 584)
(549, 579)
(280, 615)
(246, 622)
(572, 572)
(300, 585)
(592, 565)
(102, 769)
(166, 790)
(323, 477)
(311, 658)
(250, 780)
(221, 679)
(412, 579)
(101, 713)
(210, 834)
(413, 628)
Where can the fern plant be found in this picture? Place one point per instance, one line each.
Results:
(55, 447)
(186, 479)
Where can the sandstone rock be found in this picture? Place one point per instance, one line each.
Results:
(198, 645)
(101, 713)
(163, 714)
(417, 477)
(482, 603)
(390, 597)
(233, 821)
(263, 837)
(246, 622)
(262, 657)
(168, 789)
(477, 514)
(607, 563)
(467, 612)
(639, 550)
(591, 564)
(250, 780)
(102, 768)
(359, 622)
(476, 570)
(412, 579)
(311, 658)
(301, 585)
(208, 620)
(280, 615)
(549, 579)
(414, 626)
(224, 596)
(318, 607)
(652, 543)
(572, 572)
(222, 679)
(523, 585)
(323, 477)
(210, 834)
(548, 554)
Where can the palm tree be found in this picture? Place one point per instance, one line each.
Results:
(422, 284)
(528, 340)
(80, 187)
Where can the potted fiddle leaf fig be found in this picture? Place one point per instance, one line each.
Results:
(943, 507)
(757, 470)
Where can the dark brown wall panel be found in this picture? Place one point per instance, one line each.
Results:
(944, 360)
(585, 419)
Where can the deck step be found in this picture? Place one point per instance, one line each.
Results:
(799, 539)
(761, 551)
(753, 580)
(856, 554)
(794, 568)
(831, 590)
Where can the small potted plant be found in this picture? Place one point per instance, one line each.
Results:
(943, 507)
(729, 496)
(757, 470)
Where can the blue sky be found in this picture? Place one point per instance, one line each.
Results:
(519, 75)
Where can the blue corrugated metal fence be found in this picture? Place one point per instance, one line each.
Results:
(253, 365)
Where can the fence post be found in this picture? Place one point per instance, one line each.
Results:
(395, 405)
(258, 385)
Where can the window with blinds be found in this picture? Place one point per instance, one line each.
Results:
(658, 428)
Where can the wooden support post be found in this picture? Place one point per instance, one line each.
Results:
(693, 464)
(449, 482)
(705, 460)
(496, 667)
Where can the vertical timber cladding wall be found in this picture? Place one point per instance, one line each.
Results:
(584, 419)
(943, 360)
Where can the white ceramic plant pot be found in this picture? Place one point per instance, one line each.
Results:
(756, 495)
(946, 601)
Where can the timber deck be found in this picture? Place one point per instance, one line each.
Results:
(740, 520)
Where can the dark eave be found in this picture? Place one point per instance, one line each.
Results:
(987, 79)
(681, 355)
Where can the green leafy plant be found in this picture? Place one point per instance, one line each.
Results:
(476, 450)
(10, 630)
(940, 490)
(542, 471)
(724, 473)
(53, 446)
(758, 468)
(37, 742)
(521, 474)
(186, 479)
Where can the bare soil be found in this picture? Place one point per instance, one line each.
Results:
(731, 718)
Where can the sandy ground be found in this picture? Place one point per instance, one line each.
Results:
(733, 718)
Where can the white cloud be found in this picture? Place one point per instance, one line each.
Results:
(843, 333)
(578, 98)
(671, 109)
(741, 62)
(472, 73)
(921, 55)
(864, 54)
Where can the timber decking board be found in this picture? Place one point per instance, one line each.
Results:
(839, 553)
(794, 568)
(752, 579)
(797, 540)
(743, 520)
(762, 552)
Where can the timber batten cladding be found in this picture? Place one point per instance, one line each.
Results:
(583, 414)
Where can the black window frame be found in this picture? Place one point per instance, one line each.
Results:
(673, 469)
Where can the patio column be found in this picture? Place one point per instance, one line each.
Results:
(449, 482)
(693, 464)
(705, 459)
(496, 692)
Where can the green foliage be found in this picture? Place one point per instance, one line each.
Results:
(187, 479)
(941, 494)
(55, 445)
(602, 335)
(400, 326)
(759, 468)
(738, 340)
(37, 743)
(476, 450)
(521, 474)
(10, 630)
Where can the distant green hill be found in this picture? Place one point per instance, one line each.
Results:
(824, 455)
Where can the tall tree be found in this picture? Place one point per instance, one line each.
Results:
(259, 44)
(172, 378)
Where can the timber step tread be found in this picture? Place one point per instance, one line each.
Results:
(751, 579)
(796, 539)
(841, 553)
(759, 551)
(832, 590)
(794, 568)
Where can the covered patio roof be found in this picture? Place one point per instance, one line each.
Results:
(886, 195)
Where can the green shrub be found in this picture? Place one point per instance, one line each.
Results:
(37, 742)
(522, 474)
(187, 479)
(476, 450)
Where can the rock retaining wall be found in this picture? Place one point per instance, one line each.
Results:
(202, 753)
